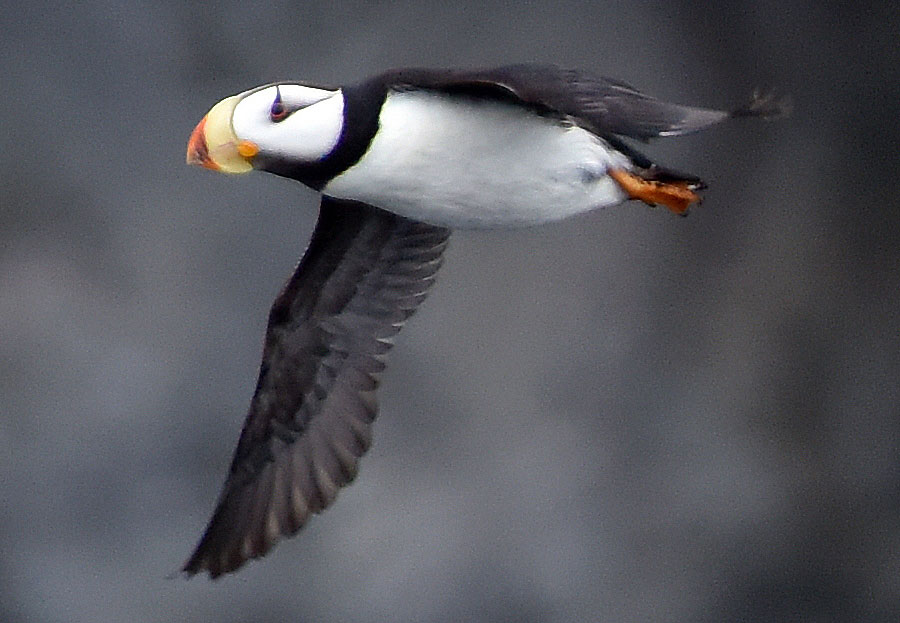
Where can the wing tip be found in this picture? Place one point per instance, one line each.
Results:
(201, 562)
(765, 104)
(196, 565)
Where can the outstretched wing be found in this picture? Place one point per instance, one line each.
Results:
(602, 105)
(310, 419)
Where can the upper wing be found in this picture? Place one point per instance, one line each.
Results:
(310, 419)
(602, 105)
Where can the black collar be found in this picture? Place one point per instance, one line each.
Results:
(362, 107)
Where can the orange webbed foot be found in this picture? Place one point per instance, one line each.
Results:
(677, 196)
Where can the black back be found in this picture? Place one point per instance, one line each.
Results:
(607, 107)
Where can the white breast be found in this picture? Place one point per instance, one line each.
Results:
(462, 162)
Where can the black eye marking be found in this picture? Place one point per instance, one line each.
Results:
(278, 111)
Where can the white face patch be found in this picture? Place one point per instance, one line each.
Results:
(308, 133)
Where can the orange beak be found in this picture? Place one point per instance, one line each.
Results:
(213, 144)
(198, 150)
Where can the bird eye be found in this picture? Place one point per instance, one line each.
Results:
(278, 111)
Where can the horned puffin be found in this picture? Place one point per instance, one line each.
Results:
(399, 160)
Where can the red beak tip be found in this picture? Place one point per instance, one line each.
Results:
(197, 150)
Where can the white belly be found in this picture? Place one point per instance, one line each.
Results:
(461, 162)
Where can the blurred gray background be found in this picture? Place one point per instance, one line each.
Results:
(623, 417)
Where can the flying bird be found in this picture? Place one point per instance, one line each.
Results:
(399, 160)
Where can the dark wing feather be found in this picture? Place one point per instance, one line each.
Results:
(310, 419)
(602, 105)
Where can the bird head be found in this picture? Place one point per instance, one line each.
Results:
(269, 125)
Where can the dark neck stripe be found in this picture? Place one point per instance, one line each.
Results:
(362, 107)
